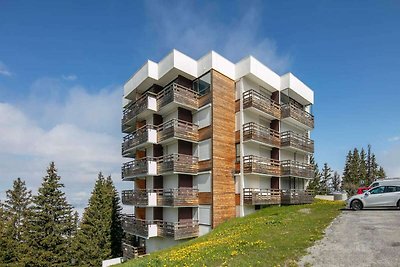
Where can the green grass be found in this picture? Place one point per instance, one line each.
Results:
(274, 236)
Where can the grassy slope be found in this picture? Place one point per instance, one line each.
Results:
(271, 237)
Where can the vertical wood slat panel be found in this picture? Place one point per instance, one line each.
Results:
(223, 148)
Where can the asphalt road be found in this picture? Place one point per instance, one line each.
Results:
(359, 238)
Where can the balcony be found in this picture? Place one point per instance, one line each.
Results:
(259, 102)
(261, 165)
(142, 107)
(296, 196)
(179, 230)
(256, 196)
(297, 116)
(296, 169)
(295, 141)
(179, 95)
(131, 252)
(138, 168)
(177, 129)
(139, 197)
(258, 133)
(142, 136)
(142, 228)
(179, 197)
(177, 163)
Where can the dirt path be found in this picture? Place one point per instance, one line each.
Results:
(362, 238)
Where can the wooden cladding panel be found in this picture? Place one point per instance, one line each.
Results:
(223, 148)
(140, 213)
(205, 133)
(205, 198)
(204, 100)
(237, 105)
(140, 184)
(237, 137)
(204, 165)
(237, 199)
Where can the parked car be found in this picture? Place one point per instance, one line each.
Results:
(380, 196)
(387, 181)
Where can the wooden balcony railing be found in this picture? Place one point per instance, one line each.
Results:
(137, 107)
(138, 137)
(296, 169)
(179, 197)
(296, 196)
(135, 197)
(252, 98)
(178, 94)
(295, 140)
(137, 167)
(178, 129)
(179, 230)
(131, 252)
(177, 163)
(302, 116)
(261, 165)
(135, 226)
(256, 196)
(257, 132)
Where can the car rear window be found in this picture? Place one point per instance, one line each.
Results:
(390, 189)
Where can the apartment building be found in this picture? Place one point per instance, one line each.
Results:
(208, 140)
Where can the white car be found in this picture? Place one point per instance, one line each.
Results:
(380, 196)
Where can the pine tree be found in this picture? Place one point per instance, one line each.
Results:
(3, 236)
(374, 168)
(347, 179)
(362, 168)
(381, 173)
(51, 225)
(100, 233)
(16, 214)
(368, 165)
(336, 181)
(326, 176)
(314, 184)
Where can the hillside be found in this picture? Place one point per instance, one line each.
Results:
(270, 237)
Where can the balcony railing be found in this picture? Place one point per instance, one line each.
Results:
(298, 141)
(296, 169)
(261, 165)
(256, 132)
(146, 101)
(296, 196)
(139, 167)
(177, 163)
(131, 252)
(179, 197)
(302, 116)
(252, 98)
(256, 196)
(142, 135)
(178, 129)
(139, 227)
(135, 197)
(178, 94)
(179, 230)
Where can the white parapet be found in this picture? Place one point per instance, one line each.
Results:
(152, 136)
(152, 199)
(152, 230)
(111, 262)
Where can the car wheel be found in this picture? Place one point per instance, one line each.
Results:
(398, 204)
(356, 205)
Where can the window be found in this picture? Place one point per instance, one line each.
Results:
(377, 190)
(202, 85)
(374, 185)
(237, 152)
(391, 189)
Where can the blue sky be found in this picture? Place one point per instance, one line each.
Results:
(62, 65)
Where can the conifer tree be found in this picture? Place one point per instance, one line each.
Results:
(51, 225)
(368, 165)
(3, 236)
(100, 233)
(381, 173)
(336, 181)
(326, 176)
(347, 181)
(16, 214)
(362, 169)
(314, 184)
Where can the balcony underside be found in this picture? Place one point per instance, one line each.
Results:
(296, 123)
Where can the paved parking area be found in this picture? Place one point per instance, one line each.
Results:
(361, 238)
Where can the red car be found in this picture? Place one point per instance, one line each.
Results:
(361, 190)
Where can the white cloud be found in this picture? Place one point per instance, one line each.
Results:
(77, 129)
(71, 77)
(4, 70)
(389, 160)
(394, 139)
(178, 28)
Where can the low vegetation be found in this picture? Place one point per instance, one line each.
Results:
(274, 236)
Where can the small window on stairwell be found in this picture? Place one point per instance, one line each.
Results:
(202, 85)
(238, 152)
